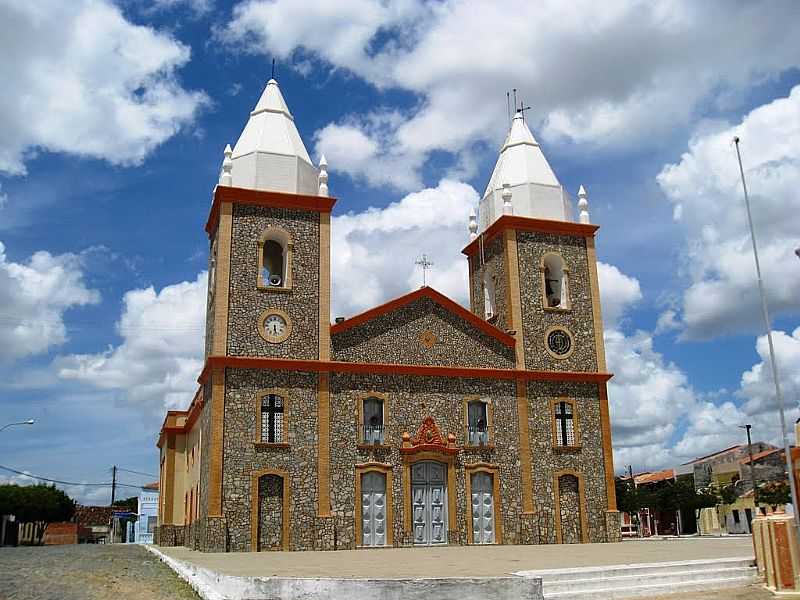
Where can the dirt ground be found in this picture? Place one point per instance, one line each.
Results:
(751, 592)
(87, 572)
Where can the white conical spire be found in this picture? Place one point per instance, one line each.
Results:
(522, 165)
(270, 155)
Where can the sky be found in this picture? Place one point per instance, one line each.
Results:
(114, 120)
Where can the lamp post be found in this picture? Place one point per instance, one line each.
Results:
(752, 466)
(772, 360)
(28, 422)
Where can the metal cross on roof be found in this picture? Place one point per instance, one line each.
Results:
(425, 264)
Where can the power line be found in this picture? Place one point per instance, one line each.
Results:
(137, 472)
(48, 479)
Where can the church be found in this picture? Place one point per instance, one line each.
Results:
(415, 423)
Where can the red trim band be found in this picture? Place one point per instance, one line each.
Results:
(224, 193)
(530, 224)
(317, 366)
(440, 299)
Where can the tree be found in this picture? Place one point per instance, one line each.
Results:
(130, 504)
(773, 493)
(39, 504)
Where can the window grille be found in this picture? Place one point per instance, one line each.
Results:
(565, 424)
(272, 419)
(477, 423)
(373, 421)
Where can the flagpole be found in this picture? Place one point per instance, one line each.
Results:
(773, 362)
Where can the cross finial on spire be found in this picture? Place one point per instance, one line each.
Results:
(273, 69)
(425, 264)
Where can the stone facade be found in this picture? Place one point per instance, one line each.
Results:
(271, 490)
(578, 319)
(397, 338)
(247, 302)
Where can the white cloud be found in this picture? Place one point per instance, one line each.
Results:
(721, 295)
(618, 293)
(34, 295)
(373, 252)
(83, 80)
(595, 73)
(161, 356)
(3, 197)
(197, 7)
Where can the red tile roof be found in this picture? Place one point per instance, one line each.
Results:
(646, 478)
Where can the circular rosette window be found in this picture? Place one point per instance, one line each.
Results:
(559, 342)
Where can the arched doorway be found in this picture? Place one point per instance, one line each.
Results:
(569, 507)
(270, 513)
(429, 503)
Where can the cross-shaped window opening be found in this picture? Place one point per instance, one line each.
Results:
(565, 426)
(272, 419)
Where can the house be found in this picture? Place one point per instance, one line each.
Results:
(147, 509)
(415, 423)
(97, 519)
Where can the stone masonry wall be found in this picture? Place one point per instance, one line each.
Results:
(411, 399)
(242, 456)
(579, 320)
(247, 302)
(494, 266)
(588, 460)
(210, 304)
(396, 337)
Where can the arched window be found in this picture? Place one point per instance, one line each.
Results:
(488, 296)
(274, 260)
(555, 276)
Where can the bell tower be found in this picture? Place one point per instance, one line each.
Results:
(533, 270)
(533, 274)
(269, 229)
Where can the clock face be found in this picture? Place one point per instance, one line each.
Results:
(275, 327)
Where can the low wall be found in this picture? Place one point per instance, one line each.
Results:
(211, 585)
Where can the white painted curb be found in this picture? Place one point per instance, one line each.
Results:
(211, 585)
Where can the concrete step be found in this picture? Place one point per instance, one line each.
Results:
(648, 579)
(638, 569)
(632, 581)
(655, 589)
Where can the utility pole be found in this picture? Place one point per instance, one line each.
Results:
(773, 361)
(113, 484)
(752, 466)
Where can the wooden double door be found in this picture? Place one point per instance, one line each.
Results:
(429, 503)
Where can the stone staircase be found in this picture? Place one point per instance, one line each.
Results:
(640, 580)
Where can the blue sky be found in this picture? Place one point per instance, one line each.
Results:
(114, 141)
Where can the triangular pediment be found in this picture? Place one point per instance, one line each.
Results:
(422, 328)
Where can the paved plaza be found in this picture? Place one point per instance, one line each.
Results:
(460, 561)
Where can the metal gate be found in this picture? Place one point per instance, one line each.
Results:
(429, 503)
(482, 508)
(373, 509)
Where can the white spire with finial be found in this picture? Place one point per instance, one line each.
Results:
(507, 194)
(523, 166)
(270, 155)
(583, 206)
(473, 224)
(226, 177)
(323, 176)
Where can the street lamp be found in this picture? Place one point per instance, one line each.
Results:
(773, 362)
(28, 422)
(752, 466)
